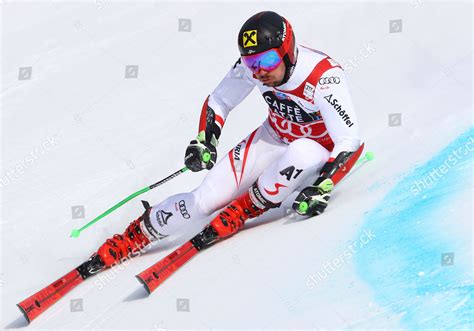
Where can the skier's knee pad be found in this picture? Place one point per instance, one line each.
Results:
(206, 200)
(307, 153)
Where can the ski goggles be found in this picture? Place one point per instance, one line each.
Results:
(268, 61)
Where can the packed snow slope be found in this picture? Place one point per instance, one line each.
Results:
(393, 249)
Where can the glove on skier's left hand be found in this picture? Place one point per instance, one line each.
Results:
(314, 199)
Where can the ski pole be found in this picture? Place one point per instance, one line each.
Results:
(303, 205)
(76, 232)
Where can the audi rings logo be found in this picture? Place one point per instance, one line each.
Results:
(183, 210)
(329, 80)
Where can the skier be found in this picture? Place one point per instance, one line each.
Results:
(309, 141)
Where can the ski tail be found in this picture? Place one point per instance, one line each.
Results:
(152, 277)
(36, 304)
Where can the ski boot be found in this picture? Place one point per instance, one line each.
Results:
(249, 205)
(122, 246)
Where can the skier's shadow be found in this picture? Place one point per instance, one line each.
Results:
(284, 213)
(19, 323)
(139, 294)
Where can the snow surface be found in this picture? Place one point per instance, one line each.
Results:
(79, 134)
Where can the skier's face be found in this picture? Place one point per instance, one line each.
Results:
(271, 78)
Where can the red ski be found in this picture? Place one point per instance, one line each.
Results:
(155, 275)
(42, 300)
(152, 277)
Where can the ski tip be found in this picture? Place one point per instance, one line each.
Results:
(24, 313)
(145, 285)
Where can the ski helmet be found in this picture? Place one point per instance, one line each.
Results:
(268, 30)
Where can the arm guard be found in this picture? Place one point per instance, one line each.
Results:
(210, 125)
(337, 168)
